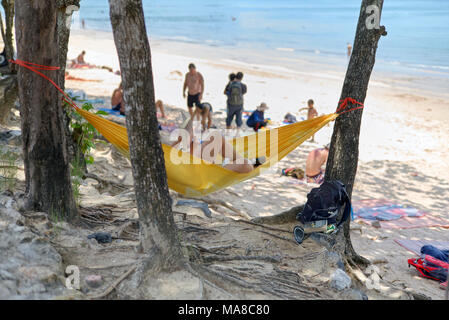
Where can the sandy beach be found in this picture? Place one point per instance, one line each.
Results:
(403, 140)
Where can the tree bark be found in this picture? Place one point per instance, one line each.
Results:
(8, 6)
(158, 230)
(63, 32)
(8, 96)
(47, 170)
(344, 149)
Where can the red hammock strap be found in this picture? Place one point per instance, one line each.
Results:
(343, 104)
(36, 67)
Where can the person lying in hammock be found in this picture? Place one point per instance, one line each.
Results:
(206, 149)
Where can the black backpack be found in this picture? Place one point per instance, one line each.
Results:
(235, 94)
(325, 203)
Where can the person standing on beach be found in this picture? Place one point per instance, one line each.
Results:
(235, 93)
(311, 113)
(231, 80)
(349, 50)
(194, 82)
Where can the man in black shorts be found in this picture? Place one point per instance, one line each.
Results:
(194, 82)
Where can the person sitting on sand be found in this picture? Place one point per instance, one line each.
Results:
(117, 101)
(315, 160)
(257, 119)
(311, 113)
(231, 159)
(205, 110)
(160, 106)
(80, 58)
(289, 118)
(194, 82)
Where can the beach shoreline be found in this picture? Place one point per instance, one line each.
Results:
(408, 78)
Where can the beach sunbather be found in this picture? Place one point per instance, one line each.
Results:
(231, 159)
(314, 163)
(117, 101)
(257, 119)
(194, 82)
(80, 58)
(289, 118)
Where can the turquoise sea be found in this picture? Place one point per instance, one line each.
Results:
(418, 31)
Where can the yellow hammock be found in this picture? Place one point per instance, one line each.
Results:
(198, 177)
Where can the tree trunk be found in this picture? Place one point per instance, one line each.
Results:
(8, 96)
(47, 171)
(344, 152)
(63, 32)
(158, 229)
(8, 6)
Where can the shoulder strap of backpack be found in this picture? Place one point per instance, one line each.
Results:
(347, 202)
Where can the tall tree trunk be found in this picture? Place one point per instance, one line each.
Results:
(344, 149)
(47, 171)
(63, 31)
(158, 229)
(8, 6)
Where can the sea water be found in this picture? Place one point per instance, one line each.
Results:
(418, 31)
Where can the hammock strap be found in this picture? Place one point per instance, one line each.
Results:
(36, 67)
(343, 104)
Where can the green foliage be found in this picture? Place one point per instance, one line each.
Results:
(55, 218)
(83, 132)
(77, 173)
(8, 169)
(85, 136)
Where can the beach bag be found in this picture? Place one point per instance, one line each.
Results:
(297, 173)
(235, 94)
(430, 267)
(325, 203)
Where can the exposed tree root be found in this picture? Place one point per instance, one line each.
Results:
(218, 202)
(113, 285)
(288, 216)
(107, 185)
(215, 258)
(265, 227)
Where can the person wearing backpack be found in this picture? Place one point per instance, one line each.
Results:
(235, 93)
